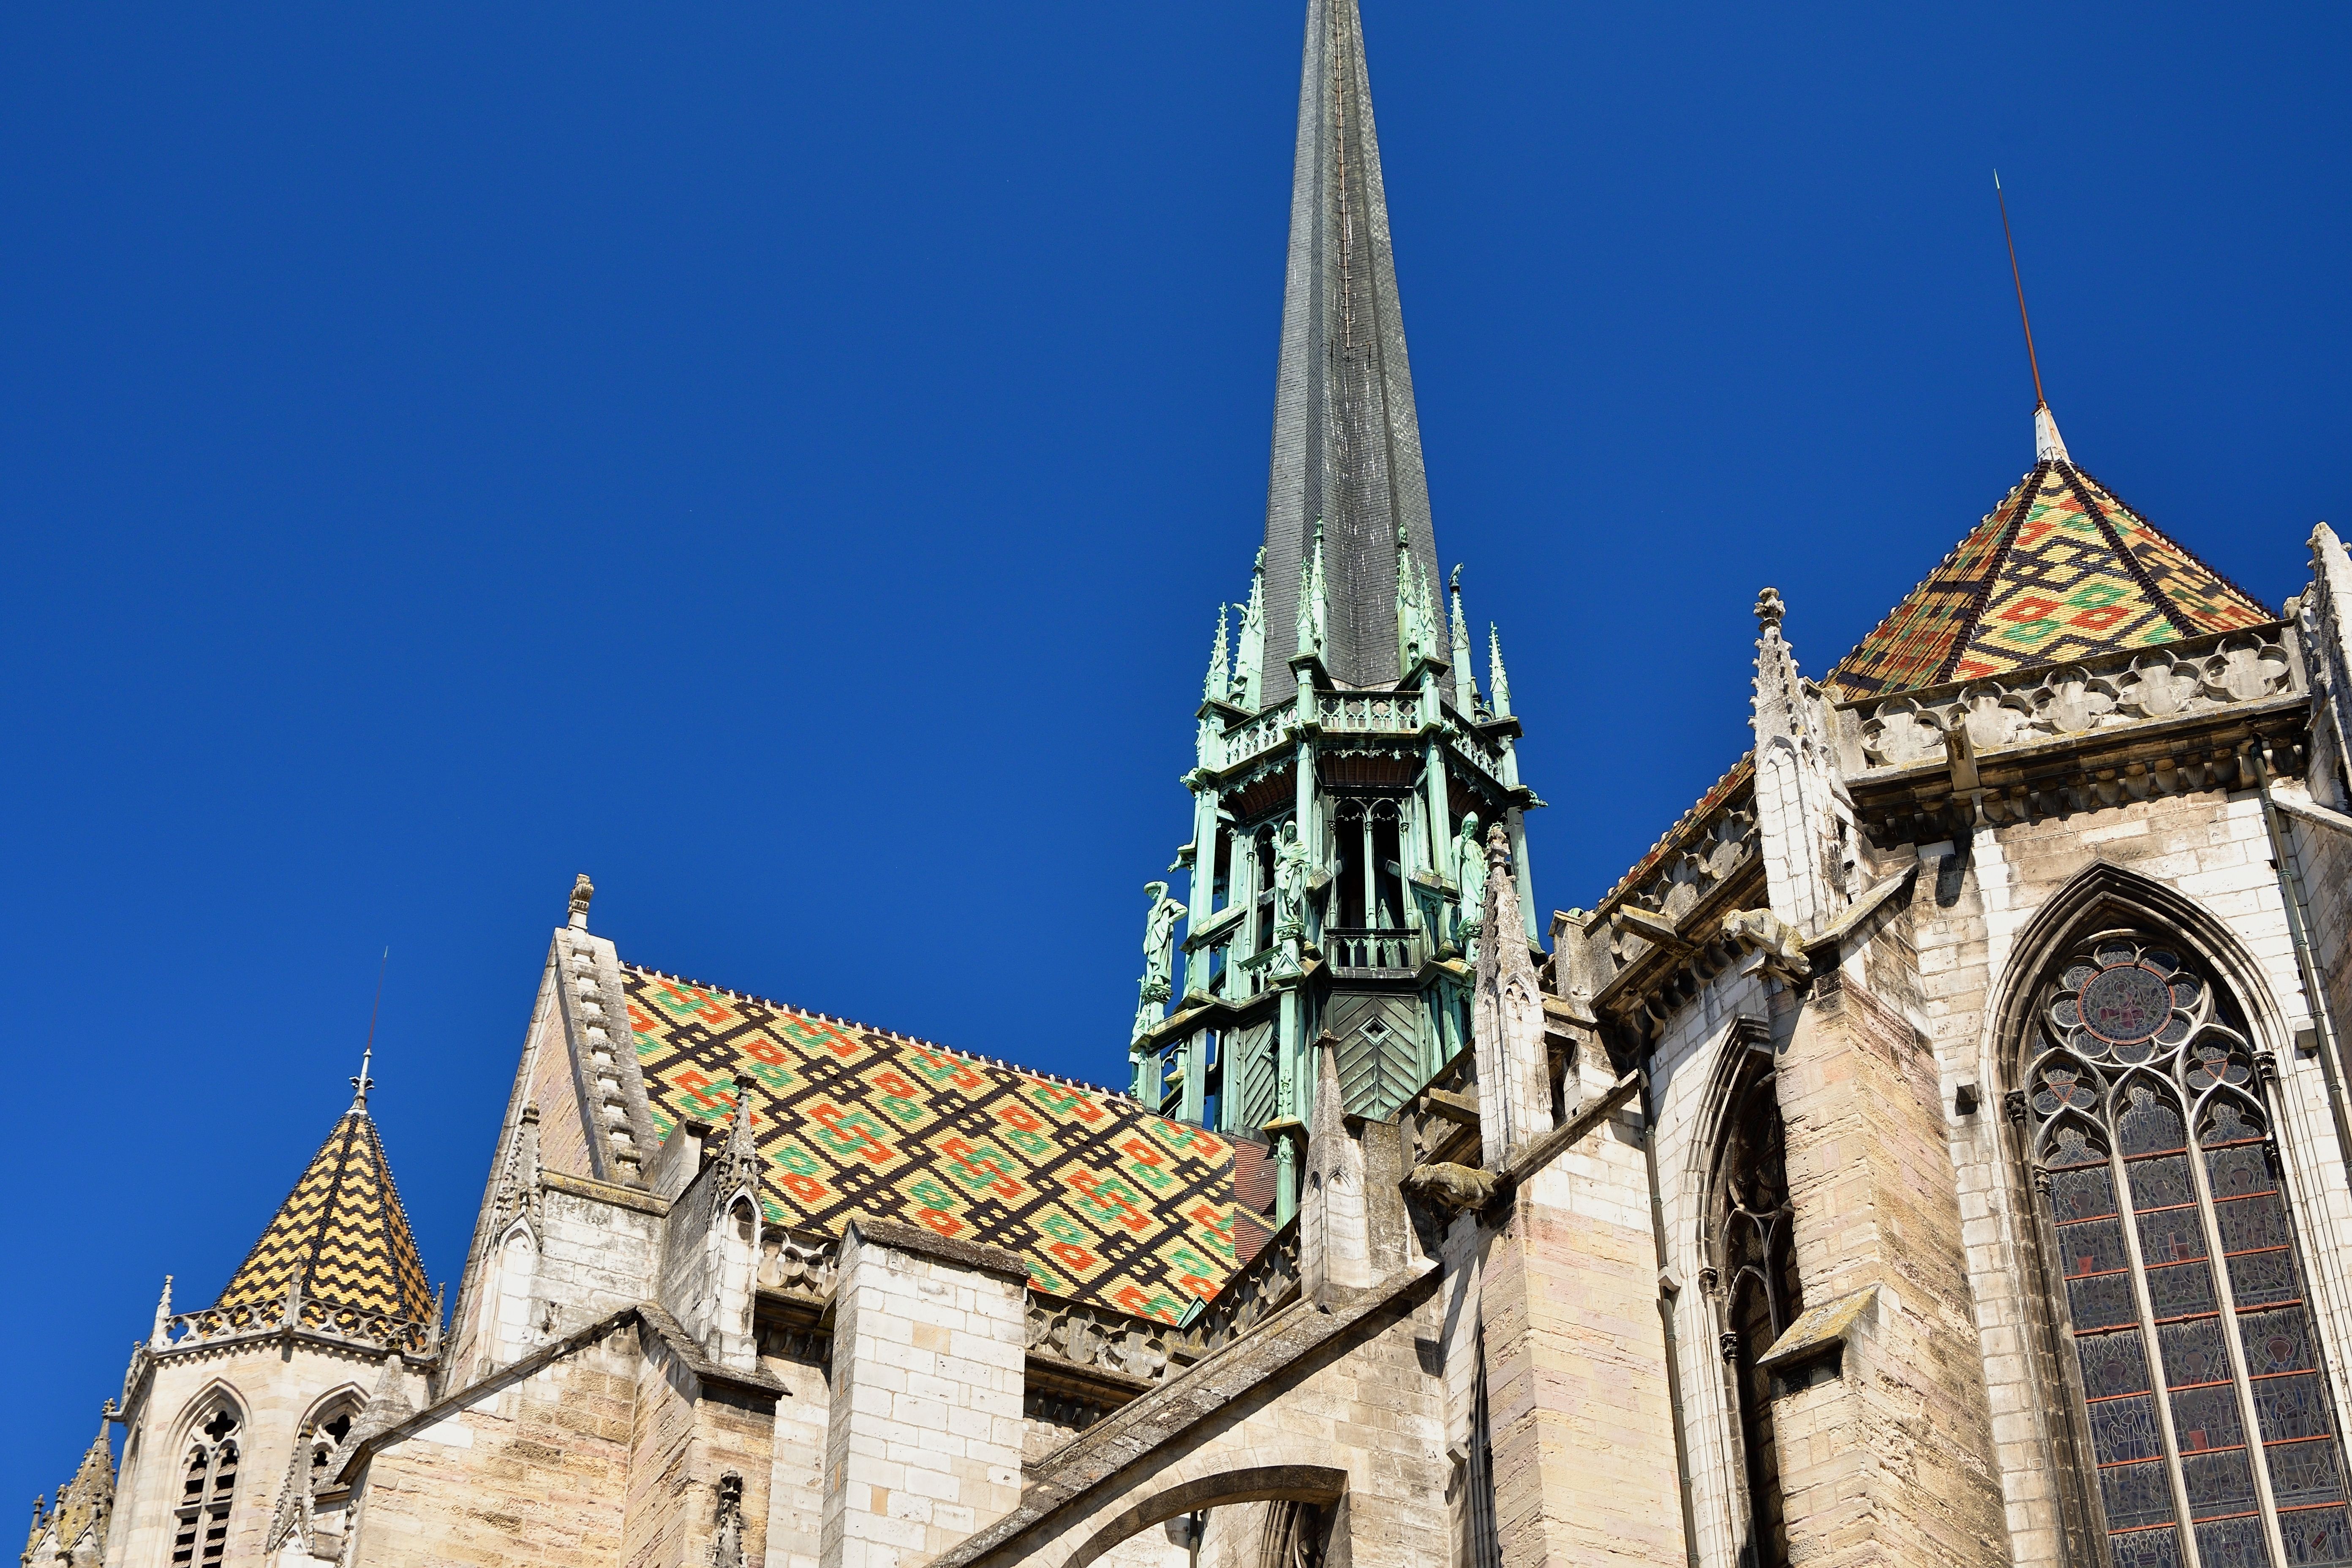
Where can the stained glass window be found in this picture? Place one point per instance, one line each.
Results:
(1750, 1221)
(2201, 1384)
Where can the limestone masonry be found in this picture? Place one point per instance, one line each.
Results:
(1932, 1152)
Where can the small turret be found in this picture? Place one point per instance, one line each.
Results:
(1418, 631)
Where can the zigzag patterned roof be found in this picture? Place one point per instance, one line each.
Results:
(2060, 569)
(1105, 1201)
(342, 1232)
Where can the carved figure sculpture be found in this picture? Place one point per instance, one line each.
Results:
(1292, 866)
(1470, 898)
(1159, 956)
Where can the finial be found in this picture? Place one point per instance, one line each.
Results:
(362, 1084)
(1769, 611)
(1453, 578)
(582, 889)
(2048, 445)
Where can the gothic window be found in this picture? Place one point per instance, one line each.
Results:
(208, 1488)
(326, 1438)
(2201, 1387)
(1756, 1273)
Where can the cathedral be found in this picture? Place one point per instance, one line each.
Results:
(1932, 1152)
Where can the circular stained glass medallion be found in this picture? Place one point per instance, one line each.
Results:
(2125, 1004)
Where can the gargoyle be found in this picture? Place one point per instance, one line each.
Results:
(1451, 1186)
(1761, 931)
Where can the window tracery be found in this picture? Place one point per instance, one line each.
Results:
(2202, 1388)
(1761, 1294)
(208, 1489)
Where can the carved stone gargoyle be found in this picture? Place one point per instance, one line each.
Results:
(1451, 1186)
(1762, 932)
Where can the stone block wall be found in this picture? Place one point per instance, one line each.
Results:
(1884, 1445)
(1583, 1440)
(924, 1433)
(536, 1470)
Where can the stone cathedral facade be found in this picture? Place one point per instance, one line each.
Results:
(1932, 1152)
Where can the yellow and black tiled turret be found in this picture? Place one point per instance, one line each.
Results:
(340, 1233)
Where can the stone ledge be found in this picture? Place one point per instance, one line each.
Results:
(603, 1192)
(928, 1244)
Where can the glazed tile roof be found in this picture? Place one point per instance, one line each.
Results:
(2060, 569)
(1106, 1202)
(342, 1232)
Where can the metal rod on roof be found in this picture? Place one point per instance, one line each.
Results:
(2019, 278)
(362, 1084)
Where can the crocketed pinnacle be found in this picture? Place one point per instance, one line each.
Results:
(1347, 445)
(340, 1235)
(2060, 569)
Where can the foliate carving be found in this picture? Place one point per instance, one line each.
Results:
(1098, 1337)
(2028, 705)
(801, 1263)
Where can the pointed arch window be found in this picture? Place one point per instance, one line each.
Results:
(327, 1436)
(208, 1490)
(2194, 1346)
(1756, 1259)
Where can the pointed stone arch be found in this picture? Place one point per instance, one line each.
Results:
(2101, 905)
(2105, 894)
(1316, 1485)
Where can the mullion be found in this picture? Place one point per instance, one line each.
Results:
(2119, 1169)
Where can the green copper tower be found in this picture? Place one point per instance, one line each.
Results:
(1347, 764)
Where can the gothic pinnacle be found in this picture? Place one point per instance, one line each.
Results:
(1497, 683)
(1465, 680)
(1218, 686)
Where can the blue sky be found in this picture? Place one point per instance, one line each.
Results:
(783, 460)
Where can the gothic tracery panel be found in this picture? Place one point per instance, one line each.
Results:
(2201, 1391)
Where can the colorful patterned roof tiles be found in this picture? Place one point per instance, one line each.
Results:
(2060, 569)
(342, 1233)
(1106, 1202)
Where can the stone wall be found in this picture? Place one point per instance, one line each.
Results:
(534, 1470)
(1583, 1435)
(923, 1441)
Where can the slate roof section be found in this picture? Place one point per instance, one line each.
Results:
(1103, 1200)
(343, 1233)
(1347, 441)
(2060, 569)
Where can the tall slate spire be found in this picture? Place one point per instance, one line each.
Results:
(1346, 446)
